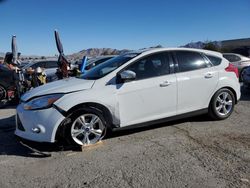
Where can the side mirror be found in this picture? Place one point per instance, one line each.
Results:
(127, 75)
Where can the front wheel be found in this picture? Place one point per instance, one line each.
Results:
(88, 127)
(222, 104)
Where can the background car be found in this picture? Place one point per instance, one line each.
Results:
(7, 82)
(25, 63)
(92, 62)
(50, 67)
(240, 61)
(97, 60)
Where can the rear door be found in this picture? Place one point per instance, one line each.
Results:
(197, 80)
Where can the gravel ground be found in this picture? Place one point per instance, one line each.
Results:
(193, 152)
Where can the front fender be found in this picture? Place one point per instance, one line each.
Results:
(91, 96)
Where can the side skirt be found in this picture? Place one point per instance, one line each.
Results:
(181, 116)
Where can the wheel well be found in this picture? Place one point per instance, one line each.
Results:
(235, 95)
(232, 90)
(97, 106)
(103, 109)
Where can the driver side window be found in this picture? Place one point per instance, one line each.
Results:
(151, 66)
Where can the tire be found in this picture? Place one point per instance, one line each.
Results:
(3, 93)
(87, 126)
(222, 104)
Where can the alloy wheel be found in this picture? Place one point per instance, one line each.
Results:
(224, 103)
(87, 129)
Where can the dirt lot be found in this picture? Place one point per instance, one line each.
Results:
(193, 152)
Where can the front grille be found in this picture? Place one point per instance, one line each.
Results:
(19, 124)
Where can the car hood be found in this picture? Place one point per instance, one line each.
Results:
(68, 85)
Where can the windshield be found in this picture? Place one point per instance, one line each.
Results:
(107, 67)
(28, 65)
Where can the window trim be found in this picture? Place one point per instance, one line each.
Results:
(205, 56)
(177, 70)
(165, 53)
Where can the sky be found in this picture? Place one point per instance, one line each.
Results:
(120, 24)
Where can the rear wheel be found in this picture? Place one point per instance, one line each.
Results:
(87, 127)
(222, 104)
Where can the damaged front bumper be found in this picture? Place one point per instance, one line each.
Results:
(37, 125)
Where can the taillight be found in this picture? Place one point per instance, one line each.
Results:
(232, 68)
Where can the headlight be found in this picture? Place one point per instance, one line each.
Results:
(42, 102)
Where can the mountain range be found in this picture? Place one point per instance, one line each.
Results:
(201, 45)
(93, 52)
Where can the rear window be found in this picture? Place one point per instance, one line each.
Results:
(214, 60)
(231, 58)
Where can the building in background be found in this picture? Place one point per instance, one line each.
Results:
(239, 46)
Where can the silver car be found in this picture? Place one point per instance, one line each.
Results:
(50, 67)
(240, 61)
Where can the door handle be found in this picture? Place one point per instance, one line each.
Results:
(208, 75)
(165, 84)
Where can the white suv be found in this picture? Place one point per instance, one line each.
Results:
(134, 88)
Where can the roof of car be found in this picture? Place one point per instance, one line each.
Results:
(38, 61)
(150, 50)
(242, 56)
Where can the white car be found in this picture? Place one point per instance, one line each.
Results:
(140, 87)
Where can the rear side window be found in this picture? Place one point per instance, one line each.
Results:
(214, 60)
(189, 61)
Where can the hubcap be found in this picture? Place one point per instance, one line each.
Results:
(224, 103)
(87, 129)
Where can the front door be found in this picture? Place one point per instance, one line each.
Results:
(153, 95)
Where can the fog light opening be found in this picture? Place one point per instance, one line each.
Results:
(36, 130)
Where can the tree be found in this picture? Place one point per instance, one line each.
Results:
(211, 46)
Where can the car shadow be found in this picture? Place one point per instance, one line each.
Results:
(13, 145)
(132, 130)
